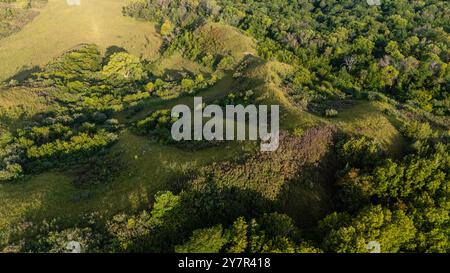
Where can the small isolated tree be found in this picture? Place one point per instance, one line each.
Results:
(124, 66)
(166, 28)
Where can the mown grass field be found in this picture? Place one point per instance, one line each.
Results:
(60, 27)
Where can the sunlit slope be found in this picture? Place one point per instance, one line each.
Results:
(60, 27)
(221, 39)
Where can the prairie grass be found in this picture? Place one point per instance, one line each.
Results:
(60, 27)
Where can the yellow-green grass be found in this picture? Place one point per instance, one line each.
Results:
(60, 27)
(19, 104)
(368, 119)
(222, 39)
(266, 79)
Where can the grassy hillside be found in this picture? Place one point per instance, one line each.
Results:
(60, 27)
(151, 167)
(222, 39)
(368, 119)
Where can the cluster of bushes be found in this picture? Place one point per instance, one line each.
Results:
(172, 14)
(195, 45)
(337, 50)
(158, 125)
(99, 169)
(54, 139)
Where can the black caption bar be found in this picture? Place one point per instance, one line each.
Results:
(220, 262)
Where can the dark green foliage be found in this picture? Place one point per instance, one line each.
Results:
(157, 125)
(393, 230)
(98, 170)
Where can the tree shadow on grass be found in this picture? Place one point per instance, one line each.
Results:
(310, 197)
(24, 73)
(111, 51)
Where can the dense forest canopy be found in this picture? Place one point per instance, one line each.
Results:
(336, 183)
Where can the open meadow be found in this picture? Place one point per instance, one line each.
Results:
(61, 26)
